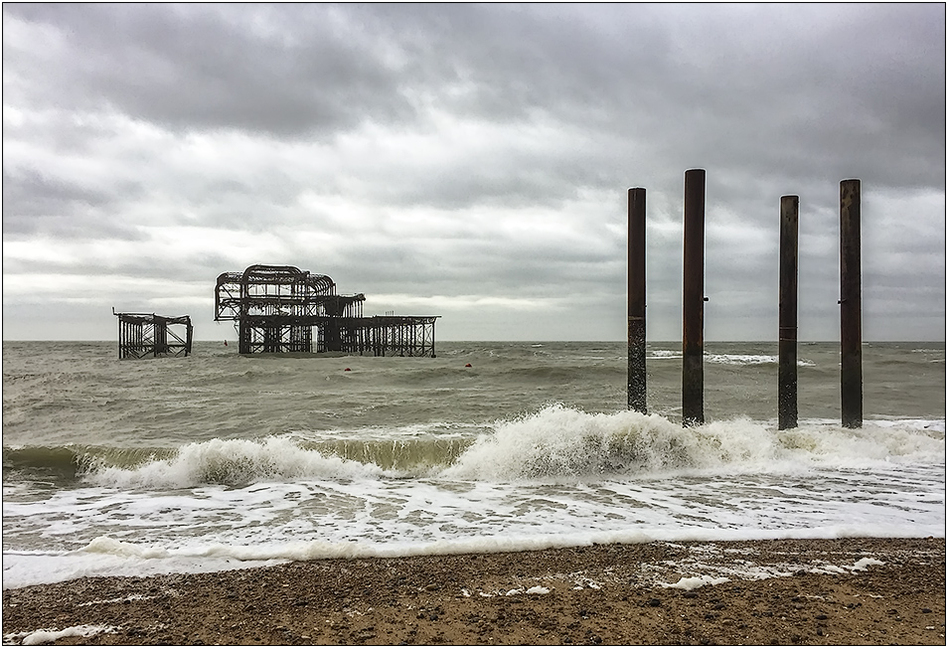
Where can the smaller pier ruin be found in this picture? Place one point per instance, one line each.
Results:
(282, 309)
(147, 334)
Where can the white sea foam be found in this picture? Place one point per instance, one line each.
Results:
(557, 478)
(119, 600)
(727, 359)
(691, 583)
(750, 359)
(554, 443)
(111, 557)
(863, 563)
(48, 636)
(258, 461)
(232, 462)
(563, 442)
(712, 570)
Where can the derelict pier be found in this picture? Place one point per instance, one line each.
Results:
(147, 334)
(282, 309)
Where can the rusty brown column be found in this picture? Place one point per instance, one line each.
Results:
(787, 315)
(636, 301)
(851, 362)
(693, 298)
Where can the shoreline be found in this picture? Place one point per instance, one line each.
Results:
(861, 591)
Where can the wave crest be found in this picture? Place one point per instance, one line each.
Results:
(560, 442)
(231, 462)
(563, 442)
(556, 442)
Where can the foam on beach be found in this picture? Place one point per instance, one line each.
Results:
(221, 461)
(558, 477)
(48, 636)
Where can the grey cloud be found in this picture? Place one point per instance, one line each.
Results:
(255, 113)
(190, 68)
(689, 83)
(35, 203)
(146, 264)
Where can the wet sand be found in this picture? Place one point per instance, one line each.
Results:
(842, 591)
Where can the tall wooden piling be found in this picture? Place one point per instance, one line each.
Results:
(851, 370)
(693, 298)
(787, 315)
(636, 301)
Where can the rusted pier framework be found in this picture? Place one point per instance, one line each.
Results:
(147, 334)
(282, 309)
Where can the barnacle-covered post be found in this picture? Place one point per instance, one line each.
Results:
(787, 314)
(851, 361)
(636, 301)
(693, 299)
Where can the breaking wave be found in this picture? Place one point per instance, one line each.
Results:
(232, 462)
(555, 443)
(563, 442)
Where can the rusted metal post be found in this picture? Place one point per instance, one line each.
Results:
(693, 298)
(851, 368)
(787, 315)
(636, 301)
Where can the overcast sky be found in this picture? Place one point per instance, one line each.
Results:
(470, 161)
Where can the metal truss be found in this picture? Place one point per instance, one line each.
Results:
(282, 309)
(147, 334)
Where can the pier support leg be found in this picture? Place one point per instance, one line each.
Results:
(851, 370)
(636, 301)
(693, 299)
(787, 315)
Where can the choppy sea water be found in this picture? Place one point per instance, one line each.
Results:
(220, 461)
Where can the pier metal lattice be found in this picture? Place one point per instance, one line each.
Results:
(282, 309)
(147, 334)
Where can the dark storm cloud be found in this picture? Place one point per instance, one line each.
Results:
(34, 203)
(189, 68)
(801, 91)
(478, 150)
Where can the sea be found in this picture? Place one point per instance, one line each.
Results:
(219, 461)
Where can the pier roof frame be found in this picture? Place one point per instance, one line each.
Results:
(269, 290)
(282, 309)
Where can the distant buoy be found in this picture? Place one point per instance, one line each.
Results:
(467, 364)
(347, 370)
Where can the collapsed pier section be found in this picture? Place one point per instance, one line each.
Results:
(282, 309)
(147, 334)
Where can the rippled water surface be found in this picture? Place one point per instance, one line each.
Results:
(219, 460)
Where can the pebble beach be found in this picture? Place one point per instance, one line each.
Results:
(814, 592)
